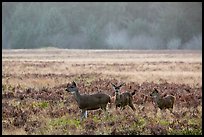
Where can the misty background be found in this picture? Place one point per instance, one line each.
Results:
(102, 25)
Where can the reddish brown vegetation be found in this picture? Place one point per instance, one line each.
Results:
(52, 95)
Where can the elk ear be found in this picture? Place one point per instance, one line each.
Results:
(113, 85)
(155, 90)
(74, 84)
(122, 84)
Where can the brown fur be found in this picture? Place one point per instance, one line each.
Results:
(123, 99)
(163, 102)
(89, 102)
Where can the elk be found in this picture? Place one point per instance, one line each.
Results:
(88, 102)
(123, 99)
(163, 102)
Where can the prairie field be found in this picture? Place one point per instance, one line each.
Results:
(34, 100)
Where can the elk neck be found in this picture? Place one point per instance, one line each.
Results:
(77, 96)
(117, 95)
(157, 98)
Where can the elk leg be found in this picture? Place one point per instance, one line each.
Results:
(155, 111)
(85, 113)
(106, 112)
(132, 106)
(122, 108)
(171, 110)
(163, 113)
(116, 107)
(82, 114)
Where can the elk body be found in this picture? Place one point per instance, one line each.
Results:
(123, 99)
(163, 102)
(88, 102)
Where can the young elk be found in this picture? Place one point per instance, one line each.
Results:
(163, 102)
(88, 102)
(123, 99)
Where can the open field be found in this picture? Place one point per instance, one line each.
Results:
(34, 100)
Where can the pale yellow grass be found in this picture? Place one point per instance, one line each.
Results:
(183, 67)
(17, 131)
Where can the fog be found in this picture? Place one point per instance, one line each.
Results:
(97, 25)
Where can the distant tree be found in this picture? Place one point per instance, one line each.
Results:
(101, 25)
(176, 22)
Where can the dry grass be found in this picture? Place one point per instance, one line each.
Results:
(137, 66)
(50, 68)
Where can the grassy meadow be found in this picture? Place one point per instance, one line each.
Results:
(34, 100)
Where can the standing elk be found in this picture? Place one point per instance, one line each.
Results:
(123, 99)
(163, 102)
(88, 102)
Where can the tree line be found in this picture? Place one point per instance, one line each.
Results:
(102, 25)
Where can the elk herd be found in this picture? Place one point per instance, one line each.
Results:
(120, 100)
